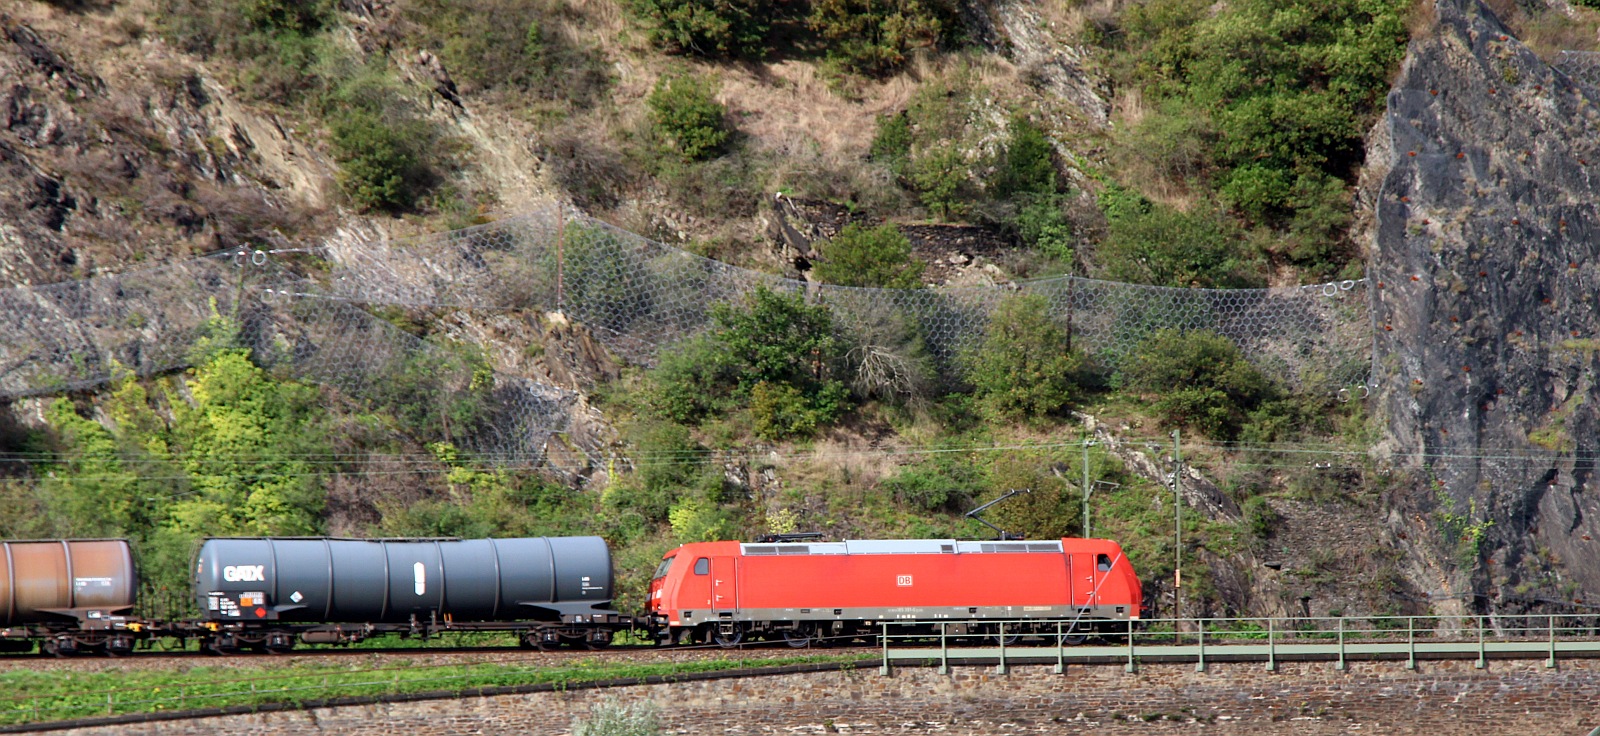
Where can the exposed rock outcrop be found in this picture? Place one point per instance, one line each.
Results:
(1484, 191)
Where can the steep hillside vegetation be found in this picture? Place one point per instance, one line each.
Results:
(868, 144)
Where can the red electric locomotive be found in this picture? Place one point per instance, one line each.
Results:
(727, 591)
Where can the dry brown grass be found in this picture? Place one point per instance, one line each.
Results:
(787, 107)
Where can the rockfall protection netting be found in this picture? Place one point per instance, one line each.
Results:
(311, 315)
(1583, 66)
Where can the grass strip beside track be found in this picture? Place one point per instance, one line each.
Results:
(46, 696)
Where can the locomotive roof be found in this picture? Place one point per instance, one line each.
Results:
(897, 547)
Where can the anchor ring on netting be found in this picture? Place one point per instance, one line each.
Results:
(1330, 289)
(1365, 391)
(259, 257)
(1347, 285)
(1343, 395)
(238, 258)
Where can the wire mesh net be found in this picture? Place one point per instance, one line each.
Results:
(315, 321)
(1583, 66)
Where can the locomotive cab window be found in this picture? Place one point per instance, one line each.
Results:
(702, 566)
(1102, 562)
(661, 570)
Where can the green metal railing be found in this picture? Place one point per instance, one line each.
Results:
(1002, 643)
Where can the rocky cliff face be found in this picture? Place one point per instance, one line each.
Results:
(1484, 191)
(113, 150)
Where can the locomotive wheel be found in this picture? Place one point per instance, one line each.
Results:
(797, 638)
(1007, 640)
(728, 640)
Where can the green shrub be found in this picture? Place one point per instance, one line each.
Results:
(684, 109)
(667, 463)
(941, 176)
(1165, 247)
(879, 257)
(781, 411)
(387, 154)
(302, 17)
(1269, 101)
(1023, 368)
(610, 718)
(778, 338)
(874, 36)
(774, 342)
(691, 381)
(597, 288)
(380, 167)
(1042, 225)
(1027, 165)
(279, 44)
(1259, 517)
(700, 520)
(708, 27)
(1051, 510)
(1200, 380)
(1122, 203)
(509, 45)
(942, 482)
(891, 145)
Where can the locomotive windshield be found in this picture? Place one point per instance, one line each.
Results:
(661, 570)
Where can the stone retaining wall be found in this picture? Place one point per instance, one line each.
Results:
(1447, 697)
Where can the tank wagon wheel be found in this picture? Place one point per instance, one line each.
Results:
(54, 648)
(595, 646)
(534, 639)
(797, 638)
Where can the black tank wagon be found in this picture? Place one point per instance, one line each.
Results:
(269, 592)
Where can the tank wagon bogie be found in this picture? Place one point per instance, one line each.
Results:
(729, 591)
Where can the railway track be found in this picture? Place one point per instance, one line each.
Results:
(432, 655)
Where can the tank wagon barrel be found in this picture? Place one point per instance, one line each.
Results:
(67, 592)
(269, 590)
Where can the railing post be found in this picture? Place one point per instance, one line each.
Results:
(1130, 667)
(1411, 642)
(1550, 622)
(944, 649)
(1200, 665)
(1061, 651)
(1272, 650)
(1340, 666)
(1001, 668)
(1480, 664)
(883, 640)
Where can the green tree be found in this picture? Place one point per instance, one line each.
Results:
(246, 447)
(1023, 368)
(879, 257)
(1199, 380)
(685, 110)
